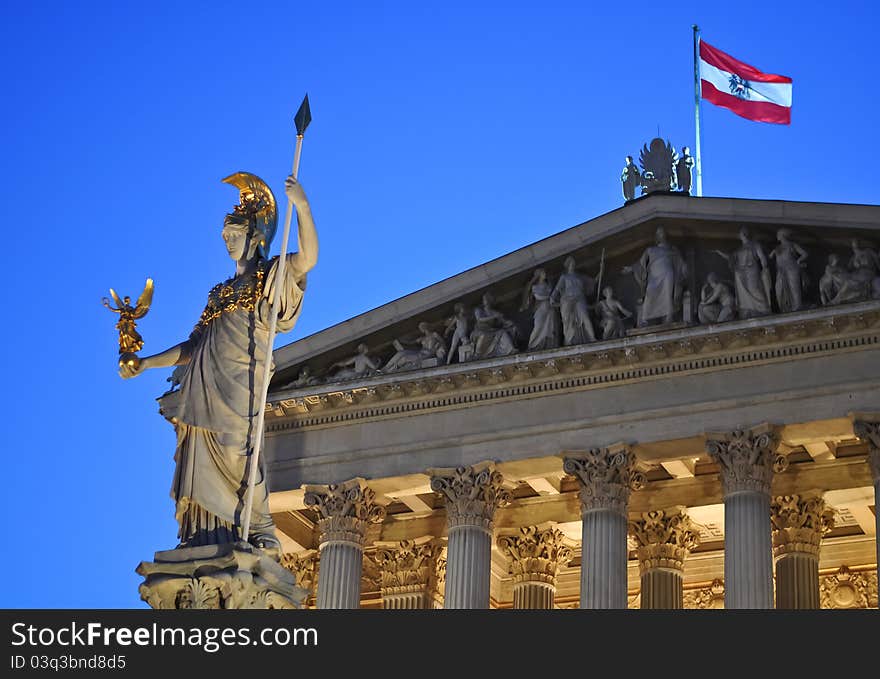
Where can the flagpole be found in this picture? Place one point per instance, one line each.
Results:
(699, 163)
(303, 117)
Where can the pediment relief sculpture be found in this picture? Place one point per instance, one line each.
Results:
(560, 305)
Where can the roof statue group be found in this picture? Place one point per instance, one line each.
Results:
(662, 170)
(573, 308)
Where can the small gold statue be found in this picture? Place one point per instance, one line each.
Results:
(130, 340)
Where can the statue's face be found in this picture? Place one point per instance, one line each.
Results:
(569, 265)
(744, 235)
(236, 236)
(660, 235)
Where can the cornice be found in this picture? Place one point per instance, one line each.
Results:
(677, 351)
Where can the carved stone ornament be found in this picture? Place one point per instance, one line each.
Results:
(472, 494)
(747, 458)
(406, 566)
(304, 567)
(664, 538)
(535, 554)
(346, 510)
(799, 522)
(869, 432)
(607, 475)
(846, 589)
(705, 597)
(218, 576)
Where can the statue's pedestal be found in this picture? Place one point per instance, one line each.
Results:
(218, 576)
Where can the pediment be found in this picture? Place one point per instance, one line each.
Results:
(695, 227)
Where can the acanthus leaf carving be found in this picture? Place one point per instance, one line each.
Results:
(747, 457)
(346, 510)
(472, 494)
(535, 554)
(799, 522)
(664, 538)
(606, 475)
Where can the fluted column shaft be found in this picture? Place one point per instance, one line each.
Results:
(799, 522)
(339, 580)
(606, 475)
(748, 460)
(748, 560)
(472, 495)
(346, 511)
(664, 538)
(869, 432)
(603, 559)
(534, 595)
(468, 567)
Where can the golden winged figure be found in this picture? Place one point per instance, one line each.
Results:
(130, 340)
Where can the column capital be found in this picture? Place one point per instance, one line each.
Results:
(799, 522)
(747, 458)
(345, 509)
(867, 428)
(304, 566)
(407, 566)
(664, 537)
(472, 494)
(535, 553)
(606, 475)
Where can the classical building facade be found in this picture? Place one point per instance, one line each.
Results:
(673, 405)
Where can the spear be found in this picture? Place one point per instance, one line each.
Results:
(301, 120)
(601, 271)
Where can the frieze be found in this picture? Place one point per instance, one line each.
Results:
(582, 367)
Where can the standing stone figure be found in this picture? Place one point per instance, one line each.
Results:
(661, 273)
(791, 259)
(717, 303)
(493, 335)
(359, 365)
(431, 351)
(630, 178)
(683, 167)
(545, 331)
(224, 358)
(570, 294)
(751, 276)
(611, 315)
(457, 324)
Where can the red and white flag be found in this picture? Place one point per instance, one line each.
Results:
(744, 89)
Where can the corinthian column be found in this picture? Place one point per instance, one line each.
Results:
(664, 538)
(869, 432)
(472, 495)
(534, 555)
(606, 475)
(406, 571)
(799, 522)
(747, 459)
(346, 511)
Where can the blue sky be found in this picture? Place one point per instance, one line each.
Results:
(444, 134)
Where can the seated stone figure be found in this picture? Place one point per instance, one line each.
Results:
(359, 365)
(862, 281)
(430, 353)
(493, 335)
(717, 303)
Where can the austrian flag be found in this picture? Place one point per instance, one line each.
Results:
(744, 89)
